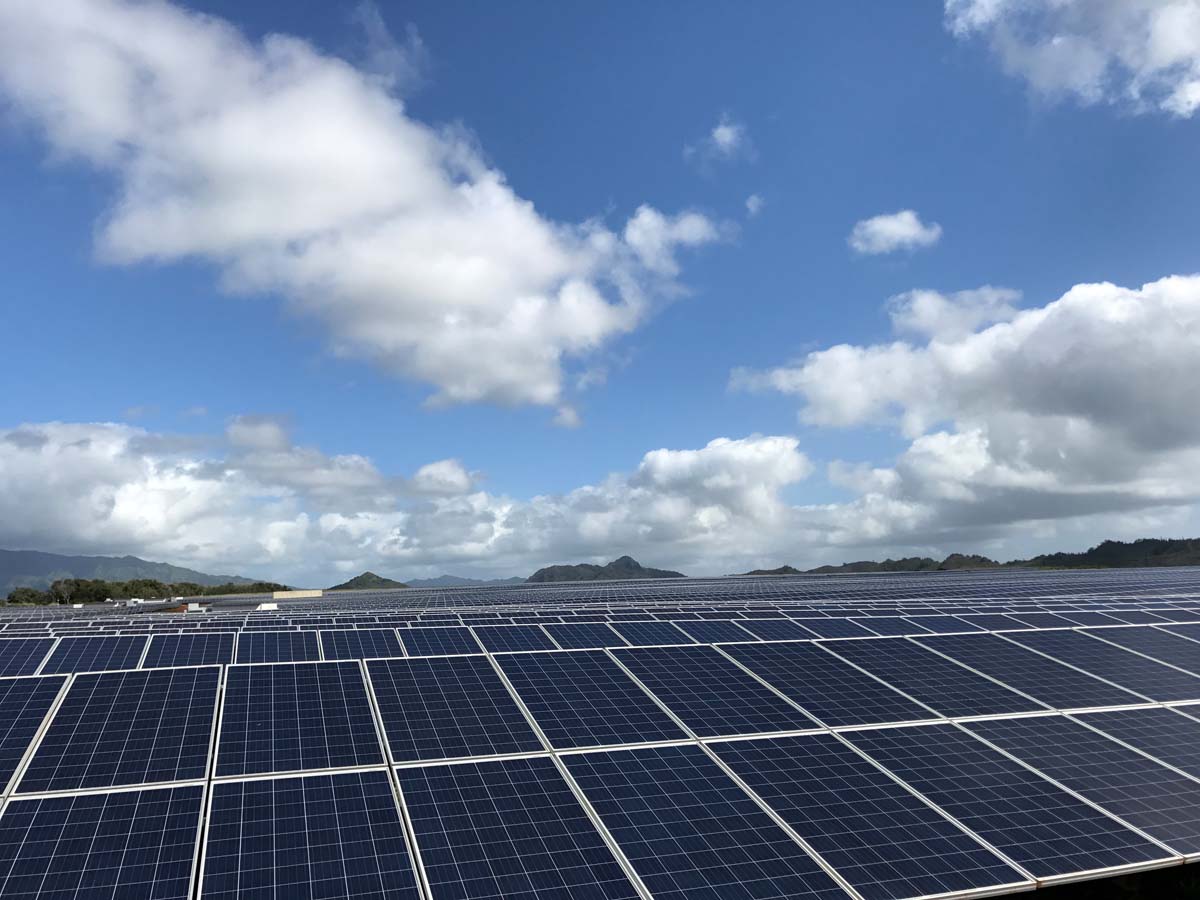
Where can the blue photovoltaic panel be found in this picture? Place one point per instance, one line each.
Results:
(890, 625)
(1035, 823)
(883, 840)
(584, 636)
(1162, 645)
(835, 628)
(826, 687)
(583, 699)
(1088, 618)
(1191, 631)
(296, 716)
(23, 656)
(439, 641)
(498, 638)
(993, 621)
(167, 650)
(94, 654)
(1041, 619)
(277, 646)
(690, 831)
(1163, 733)
(1136, 673)
(934, 680)
(1136, 617)
(710, 694)
(24, 703)
(944, 624)
(508, 829)
(320, 836)
(447, 707)
(1147, 795)
(116, 728)
(361, 643)
(714, 632)
(128, 845)
(1051, 682)
(648, 634)
(775, 629)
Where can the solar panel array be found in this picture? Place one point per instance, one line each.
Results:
(881, 738)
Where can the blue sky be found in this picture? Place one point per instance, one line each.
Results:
(1038, 181)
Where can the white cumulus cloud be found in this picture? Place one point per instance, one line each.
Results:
(890, 232)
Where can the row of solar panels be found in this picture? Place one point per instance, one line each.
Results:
(887, 813)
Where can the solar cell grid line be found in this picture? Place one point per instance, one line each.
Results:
(448, 707)
(884, 840)
(1136, 617)
(277, 646)
(438, 641)
(647, 634)
(330, 835)
(1054, 683)
(1189, 630)
(774, 630)
(23, 656)
(714, 631)
(944, 686)
(289, 717)
(584, 636)
(1164, 734)
(1048, 831)
(170, 650)
(710, 693)
(691, 831)
(889, 625)
(26, 704)
(829, 689)
(127, 728)
(582, 698)
(94, 654)
(502, 638)
(1035, 619)
(994, 621)
(1086, 617)
(945, 624)
(1153, 798)
(510, 829)
(834, 628)
(1153, 643)
(1114, 664)
(360, 643)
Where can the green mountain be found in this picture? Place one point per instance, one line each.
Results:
(35, 569)
(458, 581)
(1121, 554)
(368, 581)
(906, 564)
(618, 570)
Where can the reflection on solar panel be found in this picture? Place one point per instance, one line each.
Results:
(710, 694)
(277, 646)
(317, 836)
(1162, 645)
(1147, 795)
(296, 716)
(649, 634)
(878, 836)
(189, 650)
(101, 846)
(24, 703)
(584, 636)
(94, 654)
(438, 641)
(510, 829)
(1051, 682)
(117, 728)
(448, 707)
(934, 680)
(1042, 827)
(690, 831)
(827, 688)
(1163, 733)
(22, 657)
(497, 638)
(360, 643)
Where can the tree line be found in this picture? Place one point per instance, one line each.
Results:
(96, 590)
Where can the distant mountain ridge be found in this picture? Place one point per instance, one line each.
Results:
(368, 581)
(458, 581)
(621, 569)
(36, 569)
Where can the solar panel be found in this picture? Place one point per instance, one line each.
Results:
(835, 628)
(710, 694)
(584, 636)
(944, 624)
(1162, 645)
(168, 650)
(116, 728)
(714, 632)
(291, 717)
(775, 629)
(114, 846)
(447, 707)
(360, 643)
(24, 703)
(1163, 733)
(315, 836)
(883, 840)
(1051, 682)
(1147, 795)
(1136, 673)
(890, 625)
(648, 634)
(508, 829)
(583, 699)
(1049, 831)
(498, 638)
(438, 641)
(277, 646)
(94, 654)
(23, 656)
(934, 680)
(830, 690)
(690, 831)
